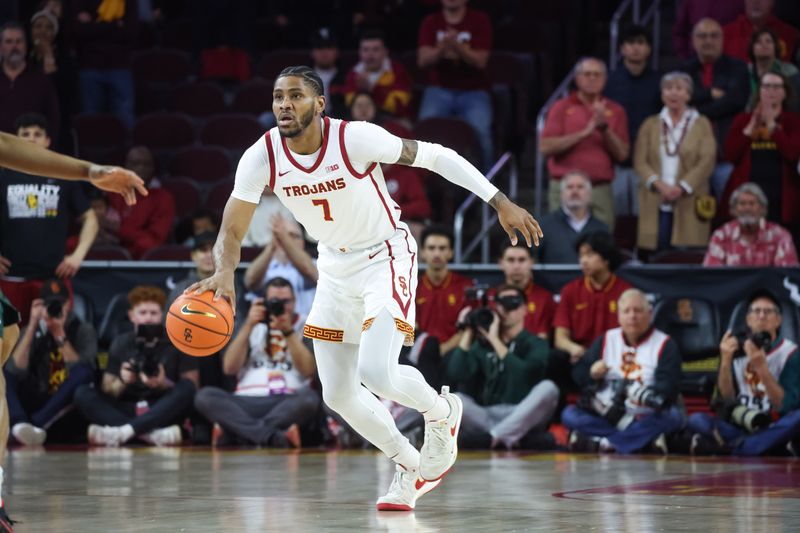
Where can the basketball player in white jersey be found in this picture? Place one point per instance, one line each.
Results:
(327, 173)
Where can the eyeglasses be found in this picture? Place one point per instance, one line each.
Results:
(772, 86)
(710, 35)
(591, 74)
(766, 311)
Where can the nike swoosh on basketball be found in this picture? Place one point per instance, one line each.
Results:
(185, 310)
(283, 173)
(376, 253)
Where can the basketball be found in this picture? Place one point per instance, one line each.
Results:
(199, 326)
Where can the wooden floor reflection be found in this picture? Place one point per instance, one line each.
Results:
(199, 490)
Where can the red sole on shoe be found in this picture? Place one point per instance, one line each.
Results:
(393, 507)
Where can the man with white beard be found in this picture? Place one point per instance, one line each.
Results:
(750, 239)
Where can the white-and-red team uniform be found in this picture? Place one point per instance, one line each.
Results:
(367, 257)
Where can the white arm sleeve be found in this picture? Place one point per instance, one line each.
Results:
(252, 174)
(367, 143)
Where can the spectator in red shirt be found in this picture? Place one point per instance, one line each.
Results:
(23, 87)
(454, 46)
(764, 147)
(587, 132)
(588, 306)
(749, 240)
(148, 223)
(758, 15)
(517, 266)
(690, 12)
(376, 73)
(440, 292)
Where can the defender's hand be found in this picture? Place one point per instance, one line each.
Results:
(514, 218)
(220, 284)
(118, 180)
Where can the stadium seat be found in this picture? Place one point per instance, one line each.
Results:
(83, 307)
(200, 99)
(254, 97)
(451, 132)
(204, 164)
(679, 257)
(510, 98)
(164, 131)
(115, 320)
(185, 193)
(225, 63)
(218, 195)
(693, 323)
(168, 252)
(274, 62)
(102, 130)
(234, 131)
(790, 321)
(108, 253)
(249, 253)
(161, 66)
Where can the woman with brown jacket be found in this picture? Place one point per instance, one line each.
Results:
(674, 157)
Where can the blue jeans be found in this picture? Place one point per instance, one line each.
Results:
(636, 436)
(473, 107)
(25, 405)
(665, 219)
(719, 178)
(108, 91)
(779, 433)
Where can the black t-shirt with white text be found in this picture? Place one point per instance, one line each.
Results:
(35, 214)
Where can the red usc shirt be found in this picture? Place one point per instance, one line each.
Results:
(588, 312)
(438, 305)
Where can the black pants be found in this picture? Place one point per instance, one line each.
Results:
(257, 418)
(171, 408)
(27, 405)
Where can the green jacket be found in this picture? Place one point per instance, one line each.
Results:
(507, 381)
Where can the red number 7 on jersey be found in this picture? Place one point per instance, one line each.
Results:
(326, 209)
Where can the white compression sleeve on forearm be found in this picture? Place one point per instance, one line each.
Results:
(454, 168)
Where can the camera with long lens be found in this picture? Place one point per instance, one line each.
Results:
(762, 340)
(624, 390)
(481, 316)
(54, 308)
(145, 358)
(274, 307)
(750, 420)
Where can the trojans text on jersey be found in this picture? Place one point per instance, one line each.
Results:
(323, 186)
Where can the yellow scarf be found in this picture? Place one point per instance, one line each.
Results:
(110, 10)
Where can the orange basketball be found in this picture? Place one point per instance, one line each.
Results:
(199, 326)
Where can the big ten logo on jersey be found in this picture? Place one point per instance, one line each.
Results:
(401, 282)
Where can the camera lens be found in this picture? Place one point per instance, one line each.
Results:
(54, 308)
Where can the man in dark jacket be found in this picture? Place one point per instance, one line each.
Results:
(511, 363)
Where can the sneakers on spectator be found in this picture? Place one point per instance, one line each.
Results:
(28, 434)
(578, 442)
(406, 487)
(104, 435)
(168, 436)
(5, 522)
(440, 448)
(660, 445)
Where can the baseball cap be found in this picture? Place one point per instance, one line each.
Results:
(54, 289)
(203, 239)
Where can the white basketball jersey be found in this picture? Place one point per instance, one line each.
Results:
(751, 391)
(635, 363)
(340, 205)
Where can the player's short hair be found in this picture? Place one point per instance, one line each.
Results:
(635, 32)
(147, 293)
(601, 243)
(439, 230)
(279, 283)
(307, 74)
(28, 120)
(507, 246)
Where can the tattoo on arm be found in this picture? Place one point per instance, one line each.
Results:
(497, 199)
(409, 153)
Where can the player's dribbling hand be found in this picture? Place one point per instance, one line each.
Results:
(514, 218)
(220, 284)
(118, 180)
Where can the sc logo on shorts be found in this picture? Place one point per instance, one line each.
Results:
(403, 285)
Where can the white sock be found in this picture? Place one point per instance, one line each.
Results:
(407, 457)
(439, 410)
(126, 432)
(1, 486)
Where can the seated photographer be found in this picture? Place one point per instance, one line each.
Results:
(759, 385)
(630, 379)
(273, 363)
(511, 361)
(54, 356)
(148, 386)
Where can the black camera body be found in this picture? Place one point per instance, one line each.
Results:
(762, 340)
(624, 389)
(54, 308)
(481, 316)
(274, 307)
(750, 420)
(146, 358)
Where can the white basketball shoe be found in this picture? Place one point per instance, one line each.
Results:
(406, 487)
(440, 449)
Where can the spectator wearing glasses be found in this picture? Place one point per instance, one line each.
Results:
(763, 57)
